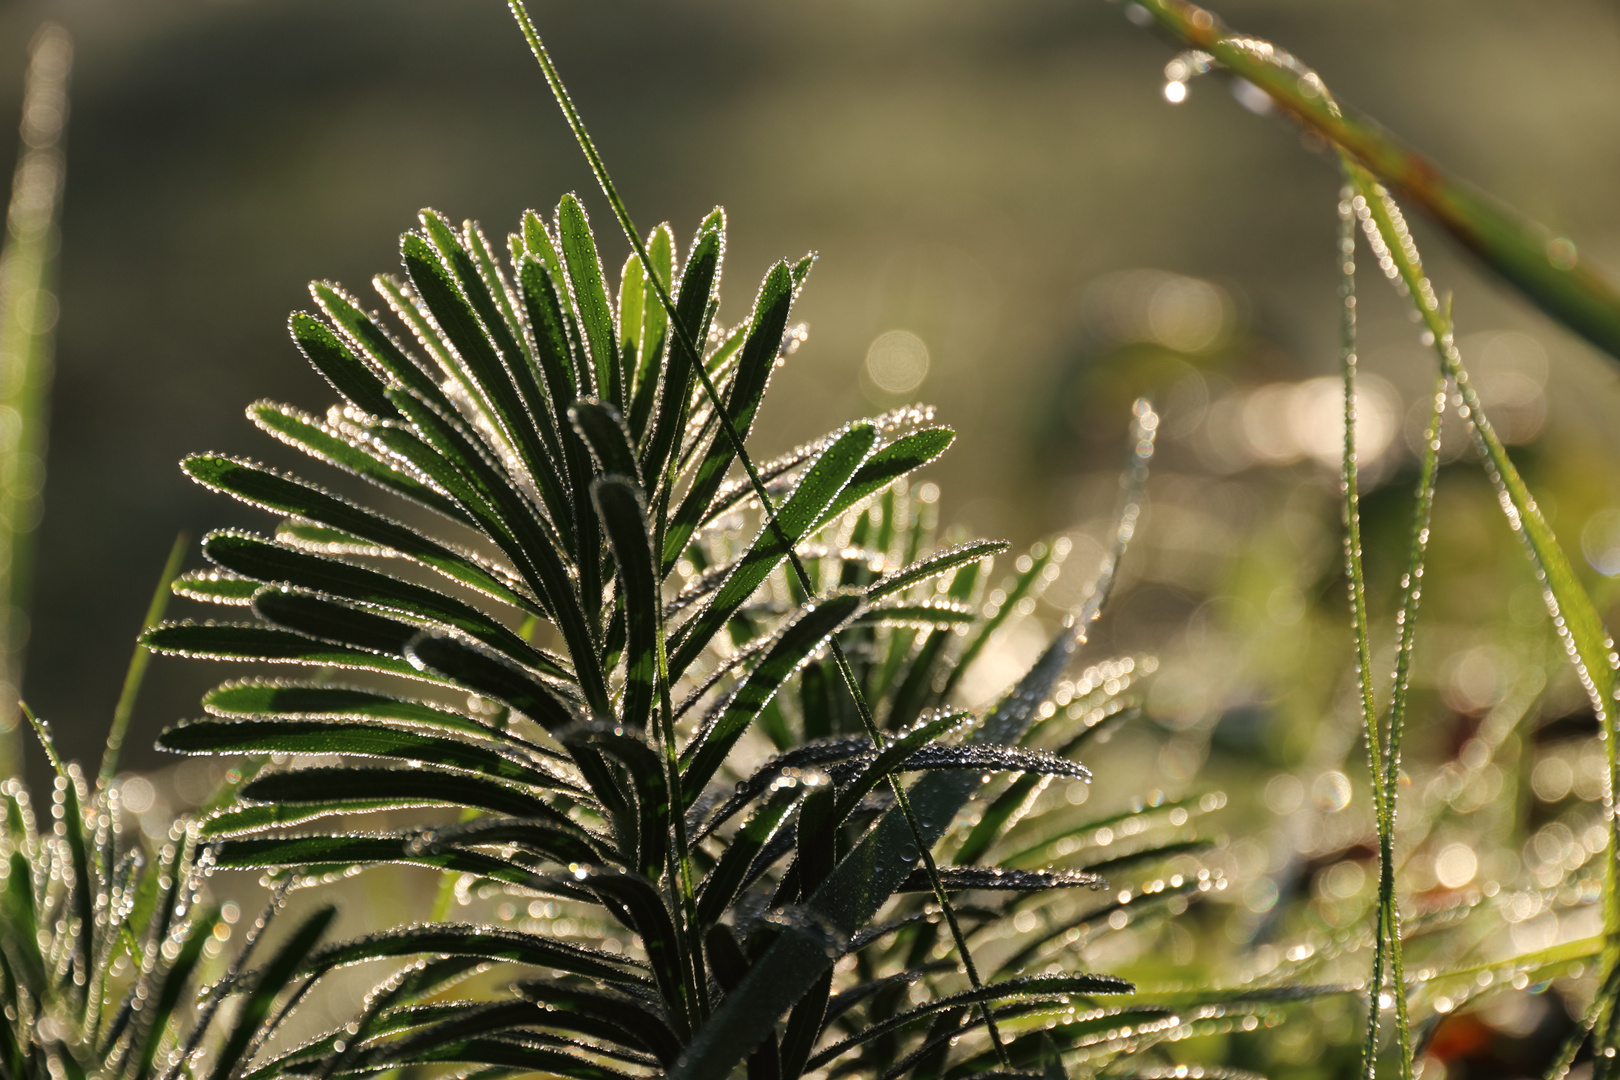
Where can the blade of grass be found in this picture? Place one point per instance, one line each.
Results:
(1516, 248)
(27, 320)
(1575, 617)
(694, 357)
(1386, 935)
(1544, 267)
(136, 673)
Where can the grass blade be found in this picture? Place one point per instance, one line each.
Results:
(136, 673)
(27, 269)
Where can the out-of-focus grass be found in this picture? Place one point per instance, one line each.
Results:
(27, 325)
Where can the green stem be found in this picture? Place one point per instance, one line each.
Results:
(1386, 935)
(695, 358)
(135, 674)
(27, 322)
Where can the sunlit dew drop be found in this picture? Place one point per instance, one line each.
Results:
(1175, 92)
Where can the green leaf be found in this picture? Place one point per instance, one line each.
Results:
(349, 375)
(351, 454)
(373, 739)
(695, 303)
(599, 424)
(216, 587)
(592, 744)
(1033, 987)
(317, 855)
(449, 285)
(261, 487)
(861, 883)
(328, 702)
(624, 520)
(328, 620)
(268, 644)
(590, 297)
(636, 1024)
(719, 888)
(482, 943)
(754, 365)
(955, 878)
(273, 979)
(794, 645)
(553, 836)
(926, 614)
(894, 756)
(253, 556)
(820, 486)
(527, 543)
(167, 998)
(490, 675)
(932, 566)
(904, 455)
(488, 338)
(521, 1056)
(652, 325)
(368, 336)
(417, 786)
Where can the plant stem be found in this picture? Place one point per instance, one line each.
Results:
(27, 322)
(1386, 934)
(136, 673)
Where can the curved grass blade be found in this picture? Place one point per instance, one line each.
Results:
(135, 675)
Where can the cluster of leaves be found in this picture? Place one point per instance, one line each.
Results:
(580, 679)
(105, 943)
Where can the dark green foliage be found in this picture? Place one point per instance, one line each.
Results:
(590, 675)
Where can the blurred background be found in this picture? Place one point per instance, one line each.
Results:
(1013, 224)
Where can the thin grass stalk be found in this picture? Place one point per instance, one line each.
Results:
(1575, 617)
(1386, 933)
(1544, 270)
(135, 674)
(1542, 265)
(27, 322)
(868, 721)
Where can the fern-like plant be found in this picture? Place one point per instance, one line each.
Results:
(575, 638)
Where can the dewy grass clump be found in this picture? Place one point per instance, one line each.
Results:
(565, 663)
